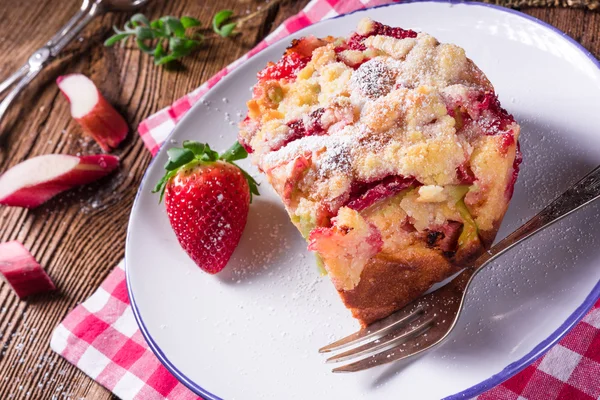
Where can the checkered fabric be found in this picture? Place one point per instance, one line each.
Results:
(101, 337)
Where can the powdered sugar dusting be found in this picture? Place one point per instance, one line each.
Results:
(373, 79)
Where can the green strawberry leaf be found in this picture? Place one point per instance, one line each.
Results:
(162, 184)
(178, 157)
(196, 147)
(235, 152)
(193, 153)
(209, 154)
(252, 184)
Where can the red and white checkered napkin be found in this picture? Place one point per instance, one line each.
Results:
(101, 337)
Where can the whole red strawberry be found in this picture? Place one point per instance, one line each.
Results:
(207, 197)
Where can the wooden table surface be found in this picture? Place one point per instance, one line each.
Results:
(79, 236)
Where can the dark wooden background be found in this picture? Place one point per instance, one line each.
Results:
(79, 236)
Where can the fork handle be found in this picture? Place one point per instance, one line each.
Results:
(580, 194)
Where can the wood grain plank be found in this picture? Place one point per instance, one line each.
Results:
(79, 237)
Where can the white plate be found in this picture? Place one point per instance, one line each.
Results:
(252, 332)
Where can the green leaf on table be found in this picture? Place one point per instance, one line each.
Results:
(164, 38)
(219, 19)
(144, 47)
(173, 26)
(144, 33)
(227, 29)
(116, 38)
(189, 22)
(159, 51)
(140, 19)
(164, 60)
(157, 25)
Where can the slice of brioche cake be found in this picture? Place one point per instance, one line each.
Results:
(391, 154)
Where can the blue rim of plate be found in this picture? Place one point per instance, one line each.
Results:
(473, 391)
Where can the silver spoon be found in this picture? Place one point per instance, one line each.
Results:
(42, 56)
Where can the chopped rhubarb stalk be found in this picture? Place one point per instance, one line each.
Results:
(21, 271)
(515, 174)
(355, 42)
(298, 168)
(91, 110)
(346, 247)
(286, 68)
(465, 174)
(314, 126)
(298, 129)
(38, 179)
(365, 195)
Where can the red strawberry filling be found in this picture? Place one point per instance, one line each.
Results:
(497, 119)
(364, 195)
(298, 129)
(286, 68)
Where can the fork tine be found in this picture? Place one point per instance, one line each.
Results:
(413, 329)
(378, 328)
(396, 353)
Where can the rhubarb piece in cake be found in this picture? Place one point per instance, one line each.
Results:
(391, 154)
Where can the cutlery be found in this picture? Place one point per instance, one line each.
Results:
(42, 56)
(428, 320)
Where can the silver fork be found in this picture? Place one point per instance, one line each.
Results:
(428, 320)
(42, 56)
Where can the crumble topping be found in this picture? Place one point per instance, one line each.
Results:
(339, 118)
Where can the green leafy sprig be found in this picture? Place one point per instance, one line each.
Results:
(219, 25)
(166, 39)
(194, 153)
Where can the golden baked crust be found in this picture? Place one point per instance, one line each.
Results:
(389, 282)
(392, 155)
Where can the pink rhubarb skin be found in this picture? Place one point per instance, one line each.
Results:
(21, 271)
(102, 121)
(376, 191)
(26, 191)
